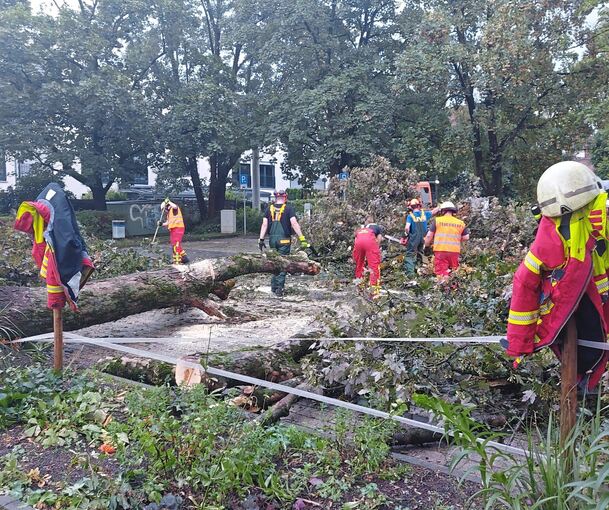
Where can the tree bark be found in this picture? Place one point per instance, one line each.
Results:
(99, 195)
(115, 298)
(197, 186)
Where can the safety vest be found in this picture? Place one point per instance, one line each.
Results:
(564, 273)
(448, 234)
(174, 218)
(276, 214)
(418, 219)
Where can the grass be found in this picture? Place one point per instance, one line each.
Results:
(571, 476)
(174, 441)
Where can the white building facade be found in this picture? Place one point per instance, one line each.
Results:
(271, 177)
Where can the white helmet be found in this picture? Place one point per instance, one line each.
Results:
(566, 187)
(448, 206)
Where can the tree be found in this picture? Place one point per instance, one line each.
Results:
(70, 95)
(501, 67)
(334, 64)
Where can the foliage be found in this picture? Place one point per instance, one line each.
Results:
(178, 440)
(573, 475)
(112, 195)
(253, 217)
(500, 70)
(379, 190)
(97, 223)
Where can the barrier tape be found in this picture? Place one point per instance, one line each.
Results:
(71, 337)
(279, 387)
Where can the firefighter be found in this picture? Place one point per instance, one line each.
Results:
(280, 222)
(175, 224)
(446, 232)
(565, 272)
(367, 251)
(414, 235)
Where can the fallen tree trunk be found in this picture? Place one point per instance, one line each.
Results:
(115, 298)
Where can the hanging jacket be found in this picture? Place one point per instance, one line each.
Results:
(448, 234)
(58, 248)
(564, 274)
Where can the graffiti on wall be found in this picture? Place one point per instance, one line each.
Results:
(146, 215)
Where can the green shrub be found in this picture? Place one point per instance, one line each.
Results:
(112, 195)
(97, 223)
(254, 220)
(8, 201)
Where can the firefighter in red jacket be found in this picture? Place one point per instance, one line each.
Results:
(367, 250)
(564, 274)
(175, 223)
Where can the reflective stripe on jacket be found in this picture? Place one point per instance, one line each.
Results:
(448, 233)
(174, 218)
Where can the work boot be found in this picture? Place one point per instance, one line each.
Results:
(278, 292)
(185, 259)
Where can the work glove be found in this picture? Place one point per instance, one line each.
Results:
(261, 244)
(427, 251)
(518, 359)
(404, 241)
(159, 223)
(303, 243)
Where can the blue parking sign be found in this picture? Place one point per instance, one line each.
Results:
(343, 176)
(243, 181)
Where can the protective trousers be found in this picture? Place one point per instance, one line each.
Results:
(175, 239)
(414, 247)
(367, 251)
(444, 262)
(282, 245)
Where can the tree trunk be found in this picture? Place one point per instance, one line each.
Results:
(220, 166)
(115, 298)
(193, 170)
(99, 195)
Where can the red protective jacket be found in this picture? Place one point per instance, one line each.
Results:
(552, 284)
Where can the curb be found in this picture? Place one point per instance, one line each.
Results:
(10, 503)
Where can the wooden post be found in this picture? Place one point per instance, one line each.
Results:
(568, 382)
(58, 336)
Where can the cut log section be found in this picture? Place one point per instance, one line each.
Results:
(115, 298)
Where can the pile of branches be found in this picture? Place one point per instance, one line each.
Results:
(380, 190)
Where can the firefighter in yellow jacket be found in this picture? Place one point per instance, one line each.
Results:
(174, 221)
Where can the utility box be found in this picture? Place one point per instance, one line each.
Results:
(228, 221)
(307, 210)
(118, 229)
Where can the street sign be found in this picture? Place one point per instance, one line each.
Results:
(243, 181)
(343, 176)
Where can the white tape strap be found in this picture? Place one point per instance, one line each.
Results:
(286, 389)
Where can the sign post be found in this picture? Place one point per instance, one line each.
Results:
(344, 176)
(243, 186)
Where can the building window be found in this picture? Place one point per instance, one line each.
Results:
(267, 176)
(244, 169)
(22, 168)
(2, 166)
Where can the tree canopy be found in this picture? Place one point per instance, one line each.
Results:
(496, 90)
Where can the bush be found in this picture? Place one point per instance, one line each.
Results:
(8, 201)
(112, 195)
(254, 220)
(97, 223)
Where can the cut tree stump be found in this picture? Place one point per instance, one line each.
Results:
(108, 300)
